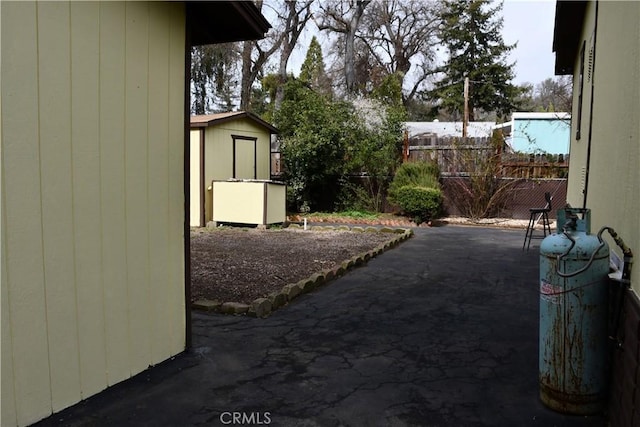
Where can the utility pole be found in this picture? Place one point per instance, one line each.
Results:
(465, 119)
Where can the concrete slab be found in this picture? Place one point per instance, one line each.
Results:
(440, 331)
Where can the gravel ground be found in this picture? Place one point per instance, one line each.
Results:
(242, 264)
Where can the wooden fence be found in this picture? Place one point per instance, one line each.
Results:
(458, 157)
(461, 157)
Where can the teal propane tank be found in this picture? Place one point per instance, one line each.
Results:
(574, 267)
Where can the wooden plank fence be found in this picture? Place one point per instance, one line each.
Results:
(453, 154)
(461, 157)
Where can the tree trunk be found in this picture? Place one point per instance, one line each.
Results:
(246, 82)
(282, 74)
(349, 50)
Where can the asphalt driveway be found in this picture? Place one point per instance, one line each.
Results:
(440, 331)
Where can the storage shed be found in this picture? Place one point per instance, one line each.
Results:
(95, 250)
(528, 132)
(235, 148)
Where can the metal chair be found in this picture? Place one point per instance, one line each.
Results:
(535, 214)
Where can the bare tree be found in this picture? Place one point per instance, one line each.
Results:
(554, 94)
(252, 65)
(291, 19)
(298, 14)
(343, 18)
(401, 36)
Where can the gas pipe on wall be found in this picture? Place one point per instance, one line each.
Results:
(574, 268)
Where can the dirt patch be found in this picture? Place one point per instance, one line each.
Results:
(242, 264)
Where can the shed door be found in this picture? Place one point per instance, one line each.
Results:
(244, 157)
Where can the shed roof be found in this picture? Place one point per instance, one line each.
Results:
(210, 22)
(566, 34)
(541, 115)
(205, 120)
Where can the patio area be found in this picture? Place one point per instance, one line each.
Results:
(440, 331)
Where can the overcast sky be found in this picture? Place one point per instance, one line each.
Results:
(530, 23)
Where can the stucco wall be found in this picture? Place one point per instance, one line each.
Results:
(613, 188)
(92, 188)
(578, 165)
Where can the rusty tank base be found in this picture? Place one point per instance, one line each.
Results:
(566, 403)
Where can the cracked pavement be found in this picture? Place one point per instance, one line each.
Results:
(440, 331)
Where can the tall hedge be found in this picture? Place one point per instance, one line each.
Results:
(416, 190)
(417, 174)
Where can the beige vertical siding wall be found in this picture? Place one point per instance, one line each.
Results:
(614, 176)
(219, 149)
(195, 186)
(92, 198)
(276, 203)
(219, 152)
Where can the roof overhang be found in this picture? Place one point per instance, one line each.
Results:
(210, 22)
(566, 34)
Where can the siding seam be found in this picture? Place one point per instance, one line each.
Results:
(124, 205)
(150, 306)
(6, 273)
(73, 203)
(42, 254)
(100, 207)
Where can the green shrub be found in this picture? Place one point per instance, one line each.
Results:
(421, 203)
(414, 174)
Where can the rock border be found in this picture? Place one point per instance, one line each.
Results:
(263, 307)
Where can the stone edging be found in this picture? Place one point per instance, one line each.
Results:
(263, 307)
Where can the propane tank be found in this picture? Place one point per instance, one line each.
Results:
(574, 265)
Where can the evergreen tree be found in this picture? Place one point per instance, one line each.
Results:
(212, 70)
(471, 33)
(312, 71)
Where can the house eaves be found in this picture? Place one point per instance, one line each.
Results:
(210, 22)
(206, 120)
(566, 34)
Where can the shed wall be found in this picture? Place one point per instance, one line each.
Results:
(219, 149)
(219, 153)
(541, 135)
(196, 191)
(92, 198)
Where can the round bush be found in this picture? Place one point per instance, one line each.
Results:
(414, 174)
(419, 202)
